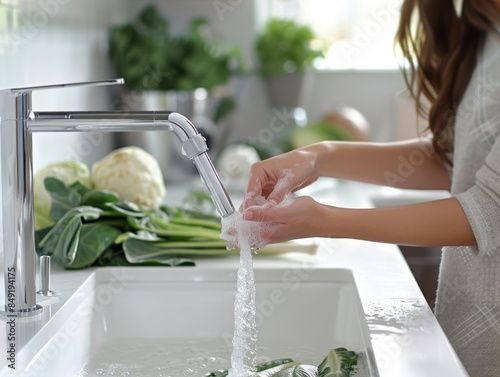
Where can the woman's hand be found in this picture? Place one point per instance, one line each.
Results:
(300, 217)
(278, 176)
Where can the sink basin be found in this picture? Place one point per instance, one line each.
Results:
(179, 322)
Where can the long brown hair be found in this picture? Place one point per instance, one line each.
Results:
(440, 50)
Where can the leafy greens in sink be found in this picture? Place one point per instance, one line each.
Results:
(340, 362)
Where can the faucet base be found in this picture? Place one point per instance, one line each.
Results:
(46, 293)
(9, 312)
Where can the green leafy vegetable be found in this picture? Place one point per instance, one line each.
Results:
(339, 362)
(62, 240)
(103, 230)
(63, 197)
(99, 198)
(197, 204)
(172, 230)
(274, 370)
(272, 365)
(66, 171)
(94, 240)
(81, 188)
(299, 371)
(97, 227)
(125, 208)
(142, 250)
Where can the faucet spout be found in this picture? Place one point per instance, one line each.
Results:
(193, 143)
(17, 123)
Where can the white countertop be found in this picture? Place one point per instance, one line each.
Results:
(406, 338)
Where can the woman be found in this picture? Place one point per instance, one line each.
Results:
(454, 66)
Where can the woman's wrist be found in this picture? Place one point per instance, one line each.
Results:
(326, 223)
(321, 154)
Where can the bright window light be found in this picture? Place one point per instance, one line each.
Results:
(357, 34)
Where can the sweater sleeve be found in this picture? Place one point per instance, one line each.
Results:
(481, 202)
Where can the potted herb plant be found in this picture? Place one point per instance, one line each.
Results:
(149, 57)
(285, 52)
(189, 73)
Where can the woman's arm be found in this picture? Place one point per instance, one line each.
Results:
(411, 164)
(433, 223)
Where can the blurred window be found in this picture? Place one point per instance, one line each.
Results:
(357, 34)
(9, 12)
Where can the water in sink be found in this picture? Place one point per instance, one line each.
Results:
(150, 317)
(158, 357)
(181, 358)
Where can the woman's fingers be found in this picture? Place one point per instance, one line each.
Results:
(254, 190)
(271, 211)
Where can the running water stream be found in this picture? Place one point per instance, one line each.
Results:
(245, 329)
(247, 234)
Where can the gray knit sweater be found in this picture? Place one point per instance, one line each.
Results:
(468, 296)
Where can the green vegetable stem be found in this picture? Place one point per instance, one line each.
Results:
(96, 227)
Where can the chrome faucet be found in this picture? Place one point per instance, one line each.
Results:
(17, 123)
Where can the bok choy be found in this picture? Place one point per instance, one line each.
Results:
(97, 227)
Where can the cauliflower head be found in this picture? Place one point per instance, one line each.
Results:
(133, 174)
(67, 171)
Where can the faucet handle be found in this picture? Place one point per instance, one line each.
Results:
(45, 276)
(69, 85)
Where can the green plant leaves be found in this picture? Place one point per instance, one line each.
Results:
(62, 241)
(96, 227)
(148, 57)
(93, 240)
(339, 362)
(99, 198)
(285, 47)
(63, 197)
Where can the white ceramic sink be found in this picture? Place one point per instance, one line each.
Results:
(179, 322)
